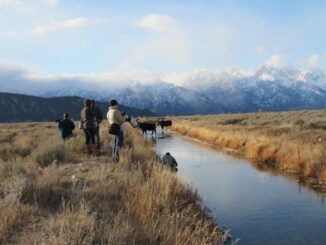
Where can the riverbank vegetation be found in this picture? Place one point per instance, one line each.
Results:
(293, 142)
(52, 193)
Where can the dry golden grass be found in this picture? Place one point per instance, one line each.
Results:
(290, 141)
(71, 198)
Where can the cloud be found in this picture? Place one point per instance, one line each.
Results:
(274, 61)
(11, 34)
(266, 77)
(260, 50)
(169, 45)
(159, 52)
(17, 77)
(67, 24)
(313, 60)
(155, 22)
(51, 3)
(18, 6)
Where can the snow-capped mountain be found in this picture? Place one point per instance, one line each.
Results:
(268, 88)
(84, 93)
(166, 98)
(316, 77)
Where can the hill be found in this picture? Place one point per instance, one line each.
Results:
(20, 108)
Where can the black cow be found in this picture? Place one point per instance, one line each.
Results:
(164, 123)
(147, 126)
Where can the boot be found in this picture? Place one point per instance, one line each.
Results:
(89, 149)
(94, 149)
(115, 155)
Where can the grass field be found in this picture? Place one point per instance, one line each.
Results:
(292, 142)
(52, 193)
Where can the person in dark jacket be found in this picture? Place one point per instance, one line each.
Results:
(88, 124)
(98, 117)
(169, 161)
(66, 127)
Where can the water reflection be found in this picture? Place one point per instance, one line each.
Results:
(261, 207)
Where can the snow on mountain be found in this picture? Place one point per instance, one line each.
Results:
(269, 88)
(202, 80)
(315, 76)
(165, 98)
(85, 93)
(233, 90)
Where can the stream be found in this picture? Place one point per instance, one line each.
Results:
(259, 207)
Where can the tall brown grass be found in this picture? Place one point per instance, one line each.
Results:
(289, 141)
(89, 199)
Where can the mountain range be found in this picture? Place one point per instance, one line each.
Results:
(203, 92)
(20, 108)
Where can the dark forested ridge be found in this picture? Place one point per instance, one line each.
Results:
(22, 108)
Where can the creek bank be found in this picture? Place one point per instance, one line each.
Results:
(261, 163)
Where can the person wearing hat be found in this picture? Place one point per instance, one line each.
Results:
(88, 125)
(115, 119)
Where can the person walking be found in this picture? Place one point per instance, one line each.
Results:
(88, 125)
(98, 119)
(115, 119)
(169, 161)
(66, 126)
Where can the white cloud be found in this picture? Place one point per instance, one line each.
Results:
(11, 34)
(159, 51)
(260, 50)
(18, 6)
(177, 78)
(313, 60)
(51, 3)
(266, 77)
(67, 24)
(155, 22)
(75, 23)
(17, 77)
(274, 61)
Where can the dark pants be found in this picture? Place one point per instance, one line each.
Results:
(117, 144)
(97, 137)
(89, 136)
(66, 137)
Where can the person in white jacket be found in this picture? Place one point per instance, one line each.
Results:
(116, 119)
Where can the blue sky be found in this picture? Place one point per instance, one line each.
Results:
(75, 36)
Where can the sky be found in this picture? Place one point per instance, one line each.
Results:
(95, 37)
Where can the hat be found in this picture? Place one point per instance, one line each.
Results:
(87, 102)
(113, 102)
